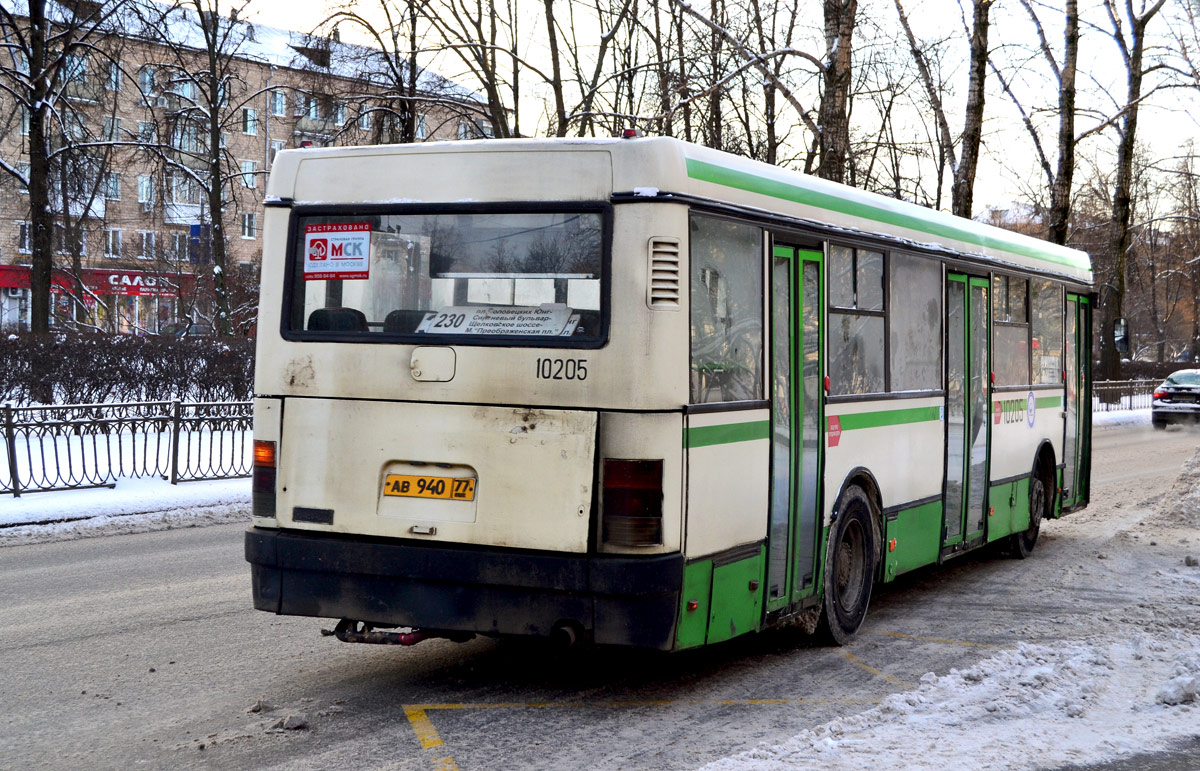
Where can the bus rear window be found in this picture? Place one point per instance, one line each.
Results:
(459, 277)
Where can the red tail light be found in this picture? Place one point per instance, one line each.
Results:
(262, 487)
(632, 509)
(1159, 394)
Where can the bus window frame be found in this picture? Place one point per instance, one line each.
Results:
(831, 309)
(291, 255)
(1027, 325)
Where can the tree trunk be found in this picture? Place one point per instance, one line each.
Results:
(962, 191)
(41, 218)
(834, 138)
(1060, 190)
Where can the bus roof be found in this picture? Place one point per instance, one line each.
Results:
(664, 166)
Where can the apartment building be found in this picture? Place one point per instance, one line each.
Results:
(134, 236)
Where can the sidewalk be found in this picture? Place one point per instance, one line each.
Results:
(134, 505)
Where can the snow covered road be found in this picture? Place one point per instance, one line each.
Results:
(144, 650)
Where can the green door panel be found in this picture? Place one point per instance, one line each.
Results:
(692, 626)
(913, 539)
(736, 599)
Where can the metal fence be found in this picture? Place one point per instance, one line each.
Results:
(71, 446)
(1108, 395)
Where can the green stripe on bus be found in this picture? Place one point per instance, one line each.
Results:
(1048, 401)
(888, 418)
(741, 180)
(705, 436)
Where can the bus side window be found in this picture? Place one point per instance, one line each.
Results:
(856, 321)
(726, 310)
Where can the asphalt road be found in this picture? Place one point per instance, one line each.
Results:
(143, 651)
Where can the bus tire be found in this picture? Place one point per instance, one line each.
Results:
(849, 568)
(1021, 544)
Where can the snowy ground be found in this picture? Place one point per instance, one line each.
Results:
(1125, 685)
(133, 506)
(1120, 687)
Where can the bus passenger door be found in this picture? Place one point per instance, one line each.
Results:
(795, 421)
(1078, 409)
(964, 496)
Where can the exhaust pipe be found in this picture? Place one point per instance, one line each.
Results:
(564, 635)
(361, 632)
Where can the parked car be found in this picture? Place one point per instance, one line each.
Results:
(1177, 400)
(185, 329)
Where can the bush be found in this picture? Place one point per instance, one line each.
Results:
(75, 368)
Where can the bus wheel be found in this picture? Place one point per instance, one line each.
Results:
(1021, 544)
(849, 568)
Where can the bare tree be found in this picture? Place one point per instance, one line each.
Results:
(44, 51)
(201, 81)
(1128, 30)
(962, 156)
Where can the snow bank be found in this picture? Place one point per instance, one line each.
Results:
(1032, 707)
(134, 505)
(1120, 418)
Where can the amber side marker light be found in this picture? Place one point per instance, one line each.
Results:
(262, 485)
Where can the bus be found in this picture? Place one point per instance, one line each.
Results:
(640, 392)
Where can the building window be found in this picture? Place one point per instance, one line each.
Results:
(185, 138)
(75, 70)
(249, 225)
(148, 243)
(145, 188)
(24, 238)
(147, 81)
(24, 121)
(113, 81)
(112, 128)
(112, 243)
(364, 120)
(110, 186)
(146, 131)
(248, 177)
(249, 121)
(181, 188)
(278, 103)
(179, 246)
(422, 128)
(23, 170)
(339, 113)
(276, 146)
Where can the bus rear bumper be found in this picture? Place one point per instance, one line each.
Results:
(618, 600)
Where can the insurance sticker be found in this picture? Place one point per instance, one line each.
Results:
(337, 251)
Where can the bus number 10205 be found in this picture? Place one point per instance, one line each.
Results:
(562, 369)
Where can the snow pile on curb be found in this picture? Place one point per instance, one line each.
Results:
(133, 506)
(1102, 419)
(1032, 707)
(1181, 505)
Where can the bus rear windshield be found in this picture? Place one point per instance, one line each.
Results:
(458, 277)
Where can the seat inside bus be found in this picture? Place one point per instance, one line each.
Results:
(337, 320)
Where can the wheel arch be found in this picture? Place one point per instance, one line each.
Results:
(1045, 466)
(861, 477)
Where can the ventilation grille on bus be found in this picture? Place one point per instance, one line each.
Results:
(664, 274)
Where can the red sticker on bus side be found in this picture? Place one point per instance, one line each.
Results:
(835, 430)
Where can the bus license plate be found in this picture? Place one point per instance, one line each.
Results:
(447, 488)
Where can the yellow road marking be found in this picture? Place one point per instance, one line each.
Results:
(848, 656)
(427, 735)
(420, 709)
(903, 636)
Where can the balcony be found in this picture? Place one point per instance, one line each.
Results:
(181, 213)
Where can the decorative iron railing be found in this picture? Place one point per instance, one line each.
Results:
(71, 446)
(1109, 395)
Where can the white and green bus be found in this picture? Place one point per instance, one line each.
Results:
(640, 392)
